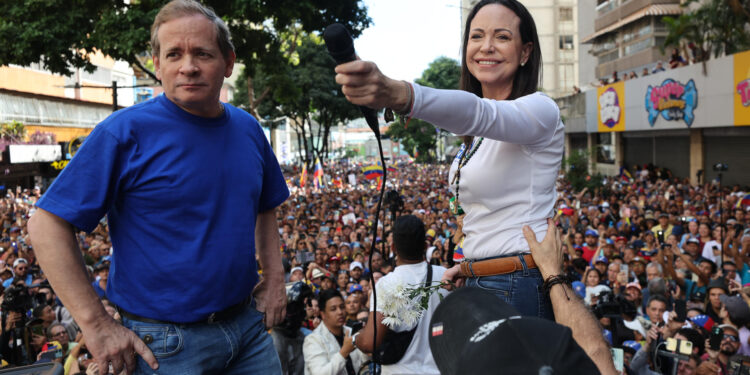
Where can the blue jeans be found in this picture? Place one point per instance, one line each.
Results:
(522, 289)
(240, 345)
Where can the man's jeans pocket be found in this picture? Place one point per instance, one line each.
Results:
(164, 340)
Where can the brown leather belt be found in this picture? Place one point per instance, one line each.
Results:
(497, 266)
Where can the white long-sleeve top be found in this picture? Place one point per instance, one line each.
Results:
(510, 181)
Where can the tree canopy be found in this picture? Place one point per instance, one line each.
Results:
(62, 33)
(419, 137)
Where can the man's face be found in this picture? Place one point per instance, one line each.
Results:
(713, 297)
(103, 274)
(612, 271)
(655, 310)
(590, 240)
(21, 270)
(377, 261)
(730, 344)
(48, 315)
(191, 66)
(687, 367)
(730, 271)
(705, 268)
(692, 249)
(353, 304)
(651, 273)
(356, 273)
(632, 294)
(637, 267)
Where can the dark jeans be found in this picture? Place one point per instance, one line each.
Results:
(522, 289)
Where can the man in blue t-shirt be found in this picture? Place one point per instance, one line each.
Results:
(190, 187)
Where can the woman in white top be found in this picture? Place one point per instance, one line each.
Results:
(504, 178)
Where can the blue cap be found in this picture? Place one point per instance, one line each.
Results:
(608, 336)
(579, 288)
(355, 288)
(591, 232)
(602, 259)
(634, 345)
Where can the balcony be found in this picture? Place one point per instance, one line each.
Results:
(628, 63)
(621, 10)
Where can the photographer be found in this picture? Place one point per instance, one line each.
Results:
(14, 341)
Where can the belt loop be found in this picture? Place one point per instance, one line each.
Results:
(471, 268)
(523, 264)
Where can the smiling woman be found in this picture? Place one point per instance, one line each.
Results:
(504, 179)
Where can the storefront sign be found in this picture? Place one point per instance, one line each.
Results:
(672, 100)
(742, 89)
(611, 107)
(34, 153)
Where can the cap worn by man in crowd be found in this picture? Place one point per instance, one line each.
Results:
(649, 215)
(729, 326)
(579, 288)
(737, 308)
(635, 325)
(355, 288)
(621, 239)
(717, 283)
(430, 233)
(638, 244)
(103, 265)
(633, 285)
(334, 259)
(602, 259)
(495, 339)
(693, 240)
(345, 244)
(355, 265)
(663, 214)
(591, 232)
(19, 261)
(295, 269)
(316, 273)
(631, 346)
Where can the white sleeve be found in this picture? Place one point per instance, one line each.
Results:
(529, 120)
(318, 361)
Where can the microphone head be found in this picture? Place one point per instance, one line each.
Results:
(339, 43)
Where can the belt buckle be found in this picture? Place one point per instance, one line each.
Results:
(211, 318)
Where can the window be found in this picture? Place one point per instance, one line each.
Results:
(614, 55)
(605, 148)
(566, 14)
(639, 46)
(566, 41)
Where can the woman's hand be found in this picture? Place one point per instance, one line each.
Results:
(363, 84)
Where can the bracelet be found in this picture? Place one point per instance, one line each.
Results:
(554, 280)
(354, 340)
(407, 109)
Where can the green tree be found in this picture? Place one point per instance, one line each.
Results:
(307, 94)
(716, 28)
(62, 33)
(419, 137)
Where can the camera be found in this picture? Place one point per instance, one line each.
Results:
(721, 167)
(355, 326)
(607, 306)
(17, 298)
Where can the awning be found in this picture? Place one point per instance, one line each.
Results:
(651, 10)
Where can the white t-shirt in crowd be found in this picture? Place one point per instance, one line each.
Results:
(708, 250)
(418, 358)
(510, 181)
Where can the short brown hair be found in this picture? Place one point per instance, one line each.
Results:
(181, 8)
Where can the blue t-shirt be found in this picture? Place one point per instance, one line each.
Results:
(181, 194)
(28, 280)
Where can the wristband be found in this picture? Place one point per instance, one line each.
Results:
(354, 340)
(554, 280)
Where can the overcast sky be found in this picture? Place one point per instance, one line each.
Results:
(406, 35)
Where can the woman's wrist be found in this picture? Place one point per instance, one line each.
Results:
(402, 97)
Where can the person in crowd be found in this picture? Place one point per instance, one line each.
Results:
(717, 361)
(329, 348)
(168, 206)
(512, 128)
(409, 243)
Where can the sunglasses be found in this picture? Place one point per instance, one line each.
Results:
(732, 338)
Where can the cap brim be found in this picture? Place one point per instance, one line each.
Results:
(457, 318)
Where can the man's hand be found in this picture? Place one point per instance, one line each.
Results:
(707, 368)
(270, 299)
(452, 278)
(12, 320)
(548, 254)
(110, 342)
(347, 347)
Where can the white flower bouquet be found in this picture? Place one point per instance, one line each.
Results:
(404, 304)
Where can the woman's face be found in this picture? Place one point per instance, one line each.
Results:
(494, 50)
(334, 313)
(592, 278)
(342, 279)
(693, 227)
(704, 232)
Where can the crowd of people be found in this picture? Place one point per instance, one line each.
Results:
(655, 259)
(676, 60)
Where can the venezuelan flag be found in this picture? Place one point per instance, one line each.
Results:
(373, 171)
(303, 177)
(458, 253)
(744, 202)
(392, 168)
(318, 174)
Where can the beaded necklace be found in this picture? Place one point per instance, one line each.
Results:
(465, 157)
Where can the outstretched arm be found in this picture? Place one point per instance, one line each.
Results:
(569, 309)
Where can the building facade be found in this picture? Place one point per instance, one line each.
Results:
(680, 119)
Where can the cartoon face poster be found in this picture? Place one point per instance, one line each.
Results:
(611, 107)
(672, 100)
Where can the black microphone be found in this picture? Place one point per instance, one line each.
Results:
(341, 47)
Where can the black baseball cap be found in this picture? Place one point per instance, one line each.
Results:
(474, 332)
